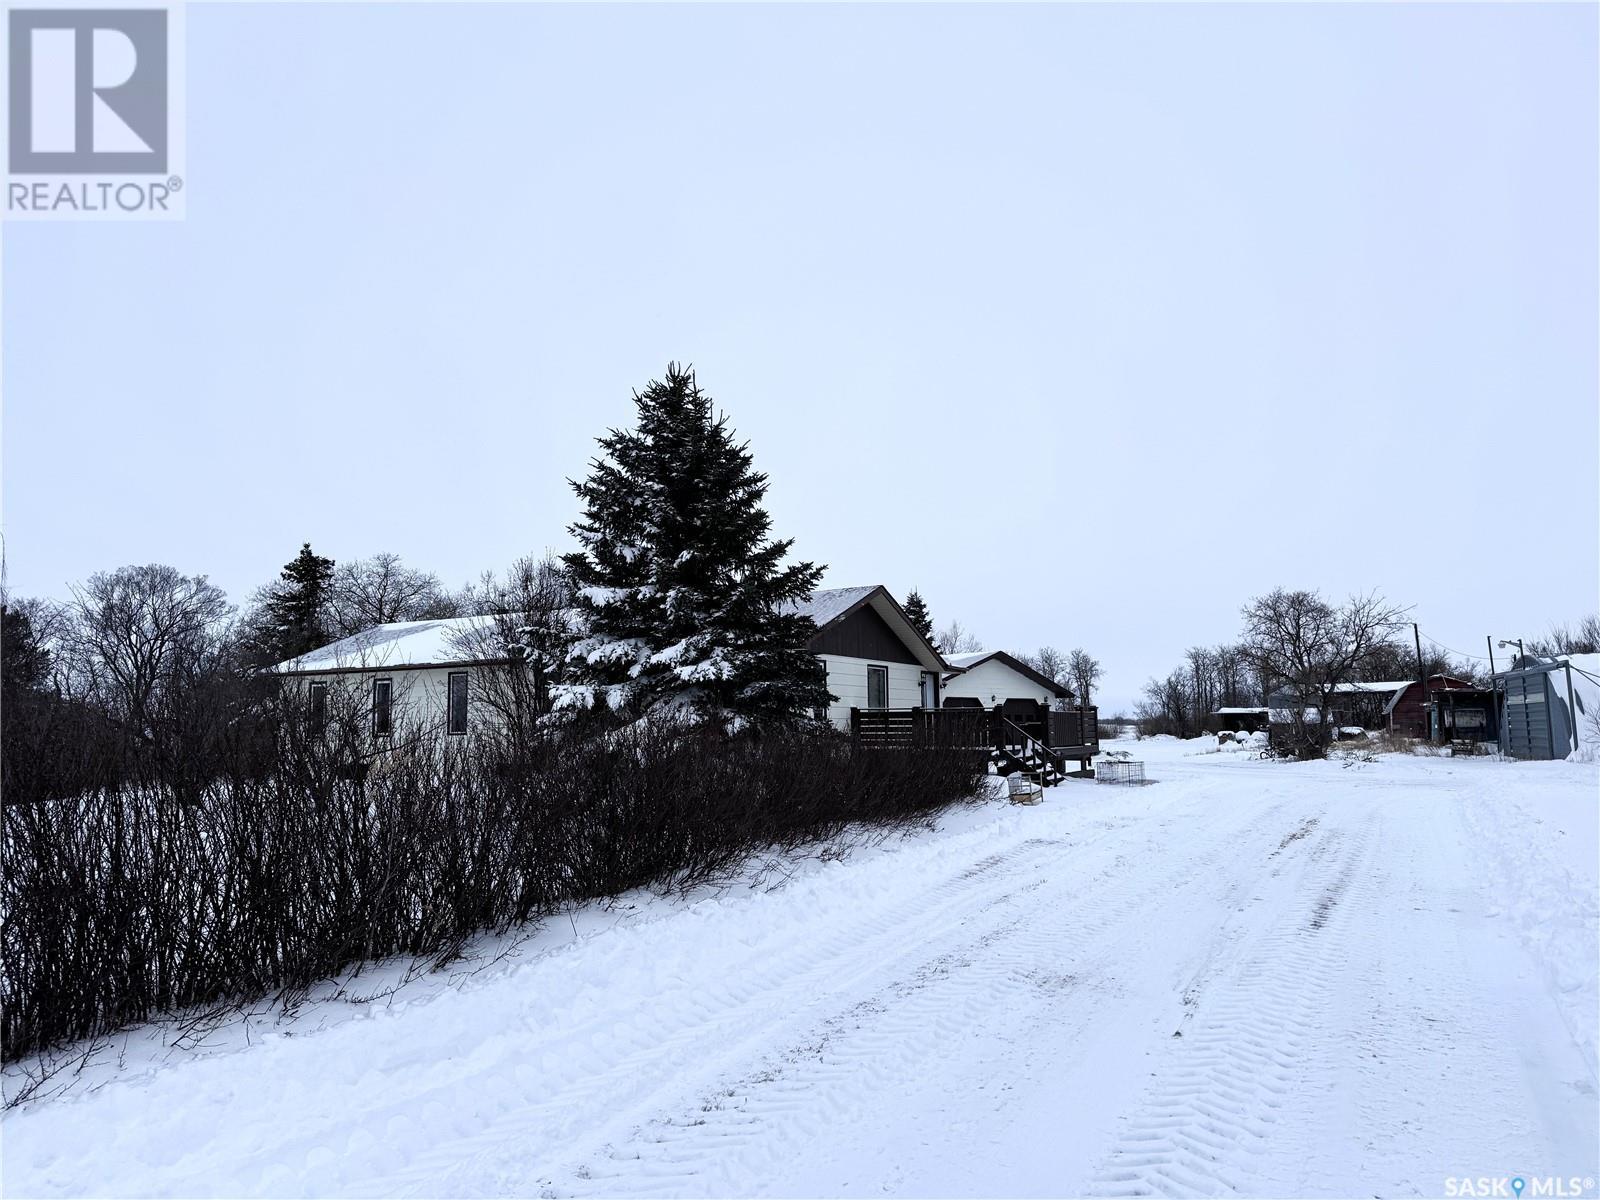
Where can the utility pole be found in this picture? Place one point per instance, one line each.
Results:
(1422, 677)
(1489, 642)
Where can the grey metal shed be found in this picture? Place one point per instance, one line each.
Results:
(1536, 709)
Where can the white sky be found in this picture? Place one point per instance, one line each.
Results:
(1090, 322)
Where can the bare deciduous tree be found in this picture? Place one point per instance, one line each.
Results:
(1085, 672)
(137, 631)
(1566, 639)
(381, 589)
(526, 618)
(954, 638)
(1298, 641)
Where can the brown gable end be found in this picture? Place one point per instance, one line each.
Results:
(862, 634)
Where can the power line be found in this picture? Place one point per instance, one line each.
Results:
(1457, 653)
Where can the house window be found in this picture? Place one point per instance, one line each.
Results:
(930, 690)
(456, 703)
(877, 687)
(821, 711)
(382, 707)
(319, 705)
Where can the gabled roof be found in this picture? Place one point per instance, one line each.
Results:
(1436, 683)
(449, 642)
(829, 606)
(966, 662)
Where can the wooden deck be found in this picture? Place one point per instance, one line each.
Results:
(1045, 745)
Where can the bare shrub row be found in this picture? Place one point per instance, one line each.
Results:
(137, 898)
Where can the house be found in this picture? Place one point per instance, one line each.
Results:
(874, 657)
(1026, 706)
(993, 677)
(889, 684)
(417, 676)
(446, 675)
(1549, 706)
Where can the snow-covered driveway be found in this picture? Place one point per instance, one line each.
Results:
(1248, 978)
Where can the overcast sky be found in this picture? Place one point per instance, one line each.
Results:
(1088, 322)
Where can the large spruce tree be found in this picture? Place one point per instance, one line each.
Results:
(685, 601)
(294, 616)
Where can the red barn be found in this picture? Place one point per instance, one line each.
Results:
(1407, 715)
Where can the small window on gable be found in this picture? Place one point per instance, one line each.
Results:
(382, 707)
(877, 687)
(456, 703)
(319, 704)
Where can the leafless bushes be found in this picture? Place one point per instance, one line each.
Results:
(140, 896)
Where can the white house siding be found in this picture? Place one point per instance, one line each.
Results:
(994, 678)
(419, 695)
(847, 679)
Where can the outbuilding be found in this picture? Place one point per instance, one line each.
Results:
(1240, 719)
(1548, 706)
(1407, 711)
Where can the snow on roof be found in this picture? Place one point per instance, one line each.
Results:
(1388, 685)
(1230, 710)
(401, 644)
(967, 660)
(831, 603)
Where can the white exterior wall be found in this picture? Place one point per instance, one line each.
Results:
(419, 693)
(994, 678)
(847, 679)
(418, 699)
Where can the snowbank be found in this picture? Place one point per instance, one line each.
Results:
(1538, 830)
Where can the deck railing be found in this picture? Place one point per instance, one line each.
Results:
(962, 728)
(1073, 733)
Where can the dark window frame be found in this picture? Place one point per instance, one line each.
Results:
(317, 702)
(385, 727)
(449, 702)
(873, 668)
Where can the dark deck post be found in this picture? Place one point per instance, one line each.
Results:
(855, 729)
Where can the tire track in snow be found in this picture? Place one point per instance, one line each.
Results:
(512, 1083)
(725, 1141)
(723, 1022)
(1216, 1103)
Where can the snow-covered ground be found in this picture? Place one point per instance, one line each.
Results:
(1247, 978)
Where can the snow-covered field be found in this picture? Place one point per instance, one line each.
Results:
(1246, 978)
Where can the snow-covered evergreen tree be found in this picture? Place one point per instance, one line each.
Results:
(685, 602)
(919, 616)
